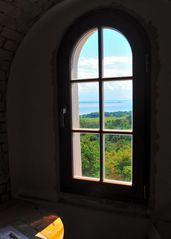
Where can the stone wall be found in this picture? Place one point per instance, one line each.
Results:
(16, 18)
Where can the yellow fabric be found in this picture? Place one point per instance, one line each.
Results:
(54, 231)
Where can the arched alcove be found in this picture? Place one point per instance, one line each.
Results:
(31, 113)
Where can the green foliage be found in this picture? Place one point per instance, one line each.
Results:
(117, 147)
(89, 123)
(90, 155)
(118, 162)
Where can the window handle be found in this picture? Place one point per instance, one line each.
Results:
(63, 113)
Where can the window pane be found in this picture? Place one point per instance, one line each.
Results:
(118, 158)
(84, 63)
(85, 105)
(86, 154)
(118, 104)
(117, 54)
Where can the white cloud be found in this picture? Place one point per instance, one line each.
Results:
(114, 66)
(112, 90)
(88, 87)
(92, 62)
(118, 90)
(110, 60)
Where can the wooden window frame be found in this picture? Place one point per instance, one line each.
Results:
(138, 40)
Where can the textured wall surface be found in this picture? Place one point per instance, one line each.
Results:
(16, 18)
(32, 118)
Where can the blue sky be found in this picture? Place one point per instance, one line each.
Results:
(117, 61)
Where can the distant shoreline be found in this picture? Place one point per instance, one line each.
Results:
(86, 107)
(107, 114)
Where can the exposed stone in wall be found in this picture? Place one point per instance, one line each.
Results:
(16, 18)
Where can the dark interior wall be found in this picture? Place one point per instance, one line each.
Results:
(16, 18)
(32, 123)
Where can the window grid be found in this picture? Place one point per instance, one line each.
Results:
(101, 131)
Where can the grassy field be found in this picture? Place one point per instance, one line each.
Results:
(112, 120)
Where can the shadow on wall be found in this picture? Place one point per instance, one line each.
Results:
(153, 233)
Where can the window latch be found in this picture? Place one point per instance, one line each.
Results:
(63, 113)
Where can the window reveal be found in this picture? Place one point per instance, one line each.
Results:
(104, 107)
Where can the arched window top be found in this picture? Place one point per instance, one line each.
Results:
(101, 47)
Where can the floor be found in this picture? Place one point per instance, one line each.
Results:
(25, 217)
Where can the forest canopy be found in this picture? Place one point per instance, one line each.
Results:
(117, 150)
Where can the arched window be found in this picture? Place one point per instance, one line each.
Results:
(104, 103)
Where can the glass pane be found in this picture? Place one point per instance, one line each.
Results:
(84, 62)
(118, 158)
(117, 54)
(118, 104)
(85, 105)
(86, 156)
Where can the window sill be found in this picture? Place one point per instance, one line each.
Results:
(138, 209)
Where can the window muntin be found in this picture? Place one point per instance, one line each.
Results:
(114, 94)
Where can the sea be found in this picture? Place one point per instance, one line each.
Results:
(86, 107)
